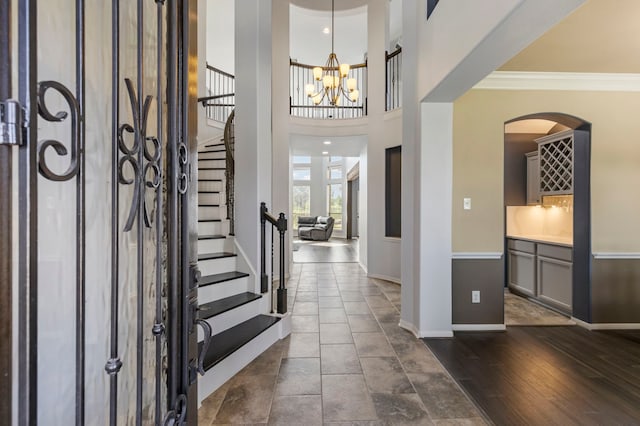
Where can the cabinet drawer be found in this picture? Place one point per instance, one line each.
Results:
(520, 245)
(555, 252)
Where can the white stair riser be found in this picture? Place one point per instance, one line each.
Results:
(211, 174)
(215, 246)
(213, 292)
(213, 228)
(212, 163)
(228, 367)
(209, 185)
(208, 212)
(206, 198)
(221, 322)
(218, 155)
(217, 266)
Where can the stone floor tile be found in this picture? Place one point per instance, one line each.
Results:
(400, 409)
(296, 410)
(299, 376)
(352, 296)
(339, 359)
(378, 301)
(335, 333)
(356, 308)
(267, 362)
(363, 323)
(385, 375)
(332, 315)
(442, 397)
(307, 296)
(345, 398)
(324, 292)
(238, 408)
(330, 302)
(475, 421)
(372, 344)
(305, 323)
(389, 314)
(417, 358)
(303, 345)
(305, 308)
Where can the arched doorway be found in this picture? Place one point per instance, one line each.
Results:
(548, 234)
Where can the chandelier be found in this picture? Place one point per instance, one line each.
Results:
(333, 77)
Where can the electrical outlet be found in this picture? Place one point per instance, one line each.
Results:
(475, 296)
(466, 203)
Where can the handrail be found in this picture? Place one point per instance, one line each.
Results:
(213, 98)
(219, 71)
(280, 223)
(301, 65)
(220, 95)
(229, 172)
(394, 53)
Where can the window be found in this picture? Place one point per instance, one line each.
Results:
(301, 203)
(335, 172)
(393, 191)
(335, 204)
(301, 159)
(335, 159)
(301, 173)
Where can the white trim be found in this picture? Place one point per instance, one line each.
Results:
(392, 239)
(616, 255)
(479, 327)
(364, 267)
(409, 327)
(607, 326)
(394, 113)
(385, 278)
(607, 82)
(479, 255)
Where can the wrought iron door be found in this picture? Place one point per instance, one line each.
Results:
(96, 214)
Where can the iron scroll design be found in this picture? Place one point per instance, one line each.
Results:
(57, 146)
(148, 174)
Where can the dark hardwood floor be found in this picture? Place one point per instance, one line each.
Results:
(548, 375)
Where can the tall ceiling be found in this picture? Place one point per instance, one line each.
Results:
(602, 36)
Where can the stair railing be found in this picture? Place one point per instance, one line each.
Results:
(229, 172)
(393, 70)
(279, 223)
(220, 98)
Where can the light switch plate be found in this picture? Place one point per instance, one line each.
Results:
(475, 296)
(466, 203)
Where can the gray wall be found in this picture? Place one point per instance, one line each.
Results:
(615, 285)
(516, 145)
(486, 275)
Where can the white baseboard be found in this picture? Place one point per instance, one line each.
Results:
(385, 278)
(425, 333)
(364, 268)
(607, 326)
(479, 327)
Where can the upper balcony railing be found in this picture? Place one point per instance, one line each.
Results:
(220, 99)
(393, 90)
(302, 106)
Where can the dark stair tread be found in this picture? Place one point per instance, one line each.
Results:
(208, 192)
(227, 342)
(220, 278)
(208, 205)
(220, 255)
(226, 304)
(211, 237)
(211, 168)
(209, 151)
(209, 220)
(214, 144)
(209, 180)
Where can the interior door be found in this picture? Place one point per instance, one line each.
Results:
(102, 262)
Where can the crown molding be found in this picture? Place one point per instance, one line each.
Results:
(601, 82)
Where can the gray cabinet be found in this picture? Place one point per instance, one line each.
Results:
(555, 276)
(533, 178)
(541, 271)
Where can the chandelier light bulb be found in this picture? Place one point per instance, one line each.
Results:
(327, 81)
(344, 70)
(317, 73)
(309, 89)
(317, 98)
(352, 84)
(353, 95)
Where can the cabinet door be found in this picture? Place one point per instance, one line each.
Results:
(533, 179)
(555, 282)
(522, 272)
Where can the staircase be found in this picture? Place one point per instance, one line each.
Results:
(228, 294)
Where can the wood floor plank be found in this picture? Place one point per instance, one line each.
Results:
(547, 375)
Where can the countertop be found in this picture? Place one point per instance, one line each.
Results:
(549, 239)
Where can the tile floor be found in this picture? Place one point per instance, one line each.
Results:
(521, 311)
(346, 362)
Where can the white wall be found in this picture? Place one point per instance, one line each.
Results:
(220, 35)
(253, 123)
(363, 220)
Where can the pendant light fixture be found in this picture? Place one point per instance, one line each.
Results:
(333, 77)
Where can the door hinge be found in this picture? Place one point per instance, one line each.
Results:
(12, 120)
